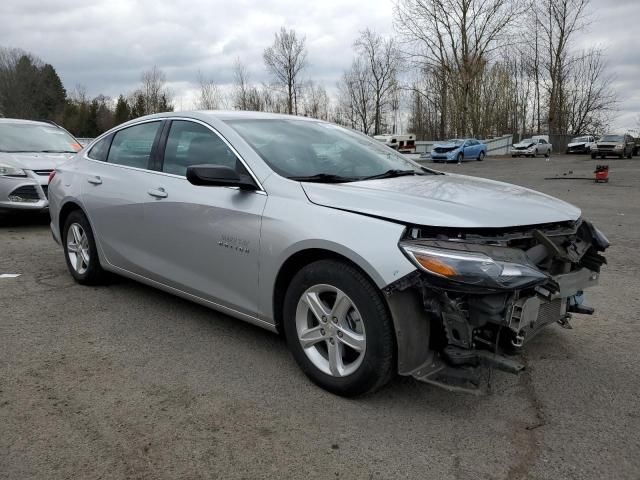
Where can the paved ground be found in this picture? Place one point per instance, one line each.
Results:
(127, 382)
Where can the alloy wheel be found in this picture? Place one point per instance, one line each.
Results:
(330, 330)
(78, 248)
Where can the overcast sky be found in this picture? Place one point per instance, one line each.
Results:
(105, 45)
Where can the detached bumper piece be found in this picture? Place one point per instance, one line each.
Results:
(471, 331)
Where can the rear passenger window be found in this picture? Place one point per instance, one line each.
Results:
(190, 143)
(99, 150)
(132, 146)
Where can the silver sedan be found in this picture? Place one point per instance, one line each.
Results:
(29, 152)
(368, 263)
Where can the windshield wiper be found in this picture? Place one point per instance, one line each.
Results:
(324, 178)
(393, 173)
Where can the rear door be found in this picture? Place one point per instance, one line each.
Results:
(204, 240)
(115, 190)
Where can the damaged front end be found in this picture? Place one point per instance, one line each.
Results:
(485, 293)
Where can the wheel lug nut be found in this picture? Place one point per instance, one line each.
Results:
(335, 320)
(322, 332)
(324, 319)
(331, 340)
(340, 334)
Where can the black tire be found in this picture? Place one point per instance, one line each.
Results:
(94, 274)
(481, 156)
(379, 362)
(460, 158)
(593, 156)
(547, 154)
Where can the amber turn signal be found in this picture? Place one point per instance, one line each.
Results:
(435, 266)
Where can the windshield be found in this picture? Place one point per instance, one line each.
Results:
(612, 138)
(297, 149)
(528, 140)
(455, 141)
(579, 139)
(32, 137)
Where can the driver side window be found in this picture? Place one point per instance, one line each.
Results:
(190, 143)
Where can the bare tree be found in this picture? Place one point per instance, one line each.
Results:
(209, 97)
(589, 96)
(559, 21)
(247, 96)
(357, 96)
(381, 58)
(157, 97)
(316, 102)
(457, 37)
(285, 60)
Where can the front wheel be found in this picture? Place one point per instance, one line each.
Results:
(338, 328)
(460, 157)
(80, 250)
(593, 156)
(547, 154)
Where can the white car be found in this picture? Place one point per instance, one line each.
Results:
(531, 147)
(581, 144)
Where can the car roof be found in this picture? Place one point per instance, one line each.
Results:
(25, 122)
(231, 115)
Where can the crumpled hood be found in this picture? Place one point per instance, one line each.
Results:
(33, 160)
(444, 201)
(446, 145)
(576, 144)
(524, 145)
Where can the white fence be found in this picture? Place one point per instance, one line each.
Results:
(495, 146)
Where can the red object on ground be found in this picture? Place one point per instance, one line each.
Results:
(602, 173)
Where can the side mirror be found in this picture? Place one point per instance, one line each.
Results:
(218, 176)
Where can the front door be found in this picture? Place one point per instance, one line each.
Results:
(204, 240)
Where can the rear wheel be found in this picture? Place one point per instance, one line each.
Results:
(80, 250)
(481, 156)
(338, 328)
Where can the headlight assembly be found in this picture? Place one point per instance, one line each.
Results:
(472, 268)
(9, 171)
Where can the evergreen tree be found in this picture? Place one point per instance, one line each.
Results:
(164, 105)
(27, 93)
(123, 112)
(92, 129)
(139, 105)
(52, 94)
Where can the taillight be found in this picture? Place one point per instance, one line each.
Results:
(51, 175)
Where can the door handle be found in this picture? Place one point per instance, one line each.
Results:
(158, 193)
(94, 180)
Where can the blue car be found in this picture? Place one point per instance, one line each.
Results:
(459, 150)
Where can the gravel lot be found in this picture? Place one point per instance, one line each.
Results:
(125, 381)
